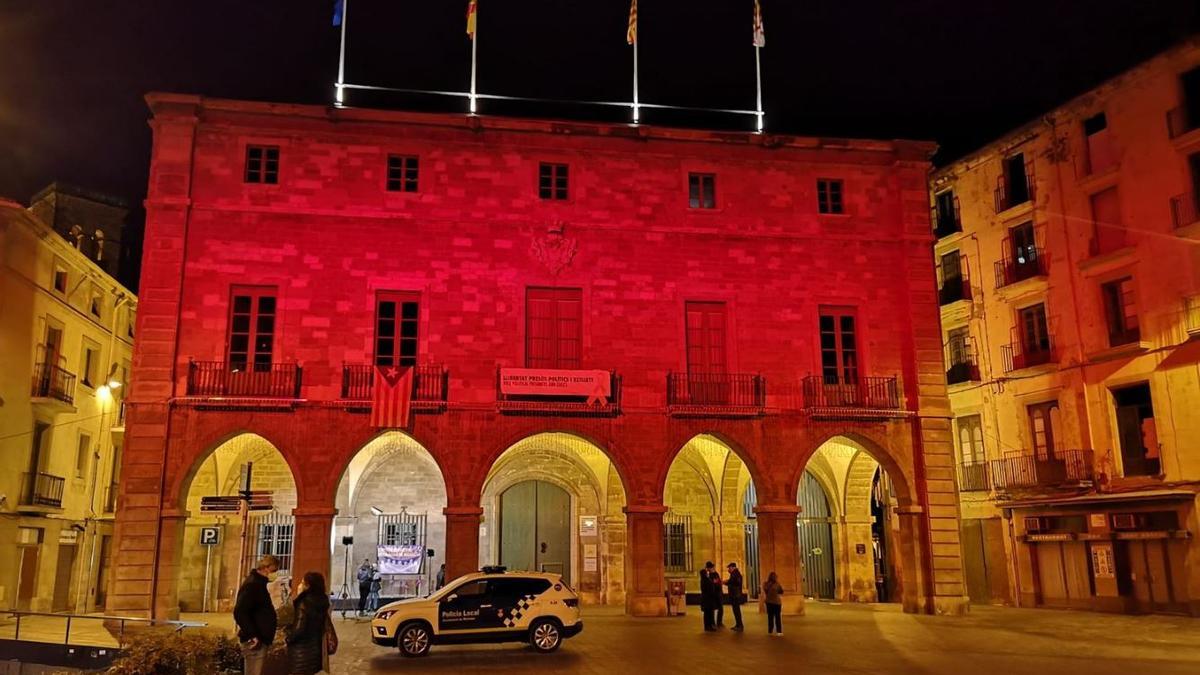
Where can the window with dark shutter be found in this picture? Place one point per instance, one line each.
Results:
(251, 328)
(839, 346)
(397, 316)
(706, 346)
(554, 328)
(262, 164)
(402, 172)
(552, 181)
(1120, 308)
(702, 190)
(829, 196)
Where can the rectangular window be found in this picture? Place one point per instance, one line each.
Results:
(1120, 309)
(402, 173)
(677, 543)
(90, 365)
(82, 454)
(1190, 83)
(959, 343)
(1022, 241)
(276, 540)
(397, 317)
(970, 440)
(706, 331)
(829, 195)
(552, 181)
(1109, 232)
(1100, 153)
(554, 328)
(1043, 422)
(251, 328)
(1016, 181)
(1136, 431)
(60, 279)
(702, 190)
(1035, 333)
(130, 322)
(96, 305)
(400, 534)
(262, 164)
(839, 346)
(947, 214)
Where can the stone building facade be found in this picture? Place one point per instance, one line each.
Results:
(66, 334)
(1069, 284)
(739, 301)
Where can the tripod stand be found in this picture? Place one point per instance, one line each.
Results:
(345, 596)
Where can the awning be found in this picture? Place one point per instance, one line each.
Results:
(1172, 494)
(1185, 354)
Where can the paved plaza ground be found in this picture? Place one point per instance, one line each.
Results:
(832, 638)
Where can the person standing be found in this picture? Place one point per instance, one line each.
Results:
(306, 637)
(773, 598)
(441, 577)
(254, 614)
(718, 600)
(706, 607)
(365, 572)
(376, 588)
(734, 585)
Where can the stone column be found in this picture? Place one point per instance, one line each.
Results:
(645, 589)
(311, 548)
(914, 586)
(779, 552)
(170, 555)
(462, 540)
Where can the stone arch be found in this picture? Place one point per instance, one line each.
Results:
(577, 429)
(898, 467)
(707, 438)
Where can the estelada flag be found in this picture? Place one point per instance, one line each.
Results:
(391, 399)
(631, 32)
(760, 34)
(471, 9)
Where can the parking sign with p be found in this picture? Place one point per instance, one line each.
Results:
(210, 536)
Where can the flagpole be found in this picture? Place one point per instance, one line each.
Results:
(474, 50)
(340, 91)
(758, 108)
(636, 104)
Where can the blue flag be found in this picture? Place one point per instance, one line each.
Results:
(339, 6)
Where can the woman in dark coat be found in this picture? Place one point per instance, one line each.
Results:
(306, 635)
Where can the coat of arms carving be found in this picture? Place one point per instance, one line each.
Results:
(554, 250)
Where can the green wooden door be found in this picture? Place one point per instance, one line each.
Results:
(535, 528)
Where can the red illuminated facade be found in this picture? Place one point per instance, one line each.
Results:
(773, 292)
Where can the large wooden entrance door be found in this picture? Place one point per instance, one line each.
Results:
(62, 578)
(27, 576)
(816, 539)
(535, 528)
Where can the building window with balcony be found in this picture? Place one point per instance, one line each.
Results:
(251, 328)
(1044, 420)
(946, 214)
(829, 195)
(1022, 259)
(554, 328)
(839, 345)
(397, 316)
(262, 164)
(1108, 233)
(954, 286)
(1185, 208)
(960, 357)
(1098, 145)
(702, 190)
(972, 454)
(552, 181)
(89, 364)
(1136, 431)
(1186, 117)
(1015, 186)
(402, 173)
(1033, 341)
(706, 337)
(82, 453)
(1120, 310)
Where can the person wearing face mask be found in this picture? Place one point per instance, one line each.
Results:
(254, 614)
(308, 639)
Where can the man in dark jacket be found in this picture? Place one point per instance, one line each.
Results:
(254, 614)
(734, 586)
(365, 572)
(706, 606)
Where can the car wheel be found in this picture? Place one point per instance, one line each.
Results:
(545, 636)
(414, 639)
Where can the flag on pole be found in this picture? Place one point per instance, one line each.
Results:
(392, 397)
(760, 35)
(471, 9)
(631, 32)
(339, 8)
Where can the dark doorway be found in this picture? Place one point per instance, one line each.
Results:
(887, 581)
(816, 539)
(1136, 431)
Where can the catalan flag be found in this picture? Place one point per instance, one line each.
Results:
(760, 35)
(631, 32)
(471, 10)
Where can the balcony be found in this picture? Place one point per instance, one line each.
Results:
(870, 397)
(258, 381)
(1009, 195)
(716, 394)
(954, 289)
(1012, 270)
(1180, 122)
(1018, 355)
(42, 491)
(558, 392)
(973, 477)
(1064, 469)
(53, 386)
(110, 499)
(431, 386)
(961, 365)
(945, 222)
(1185, 214)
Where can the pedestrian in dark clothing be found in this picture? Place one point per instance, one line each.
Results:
(254, 614)
(734, 585)
(306, 646)
(365, 572)
(441, 576)
(773, 597)
(706, 606)
(718, 601)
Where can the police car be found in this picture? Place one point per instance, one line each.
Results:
(489, 606)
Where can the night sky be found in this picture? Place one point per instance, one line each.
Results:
(73, 72)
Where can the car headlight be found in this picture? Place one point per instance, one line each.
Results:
(385, 614)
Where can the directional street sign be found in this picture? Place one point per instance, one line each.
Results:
(210, 536)
(257, 500)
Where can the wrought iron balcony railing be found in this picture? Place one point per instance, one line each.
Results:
(1018, 355)
(717, 394)
(869, 393)
(1011, 270)
(1184, 210)
(946, 222)
(1066, 468)
(973, 477)
(961, 365)
(267, 380)
(1008, 195)
(50, 381)
(43, 489)
(431, 384)
(954, 289)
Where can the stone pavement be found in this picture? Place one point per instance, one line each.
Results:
(832, 638)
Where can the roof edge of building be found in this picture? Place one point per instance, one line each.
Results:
(176, 104)
(81, 192)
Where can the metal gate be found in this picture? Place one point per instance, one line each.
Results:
(270, 534)
(815, 526)
(677, 543)
(749, 501)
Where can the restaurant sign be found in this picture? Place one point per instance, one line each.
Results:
(596, 385)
